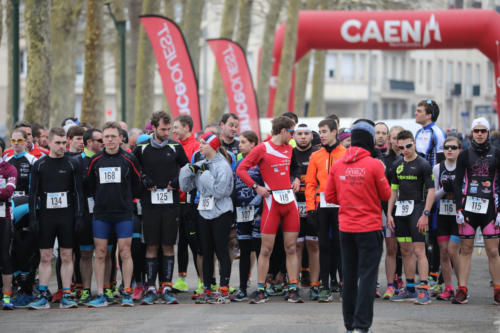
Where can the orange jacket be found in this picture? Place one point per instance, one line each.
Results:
(317, 173)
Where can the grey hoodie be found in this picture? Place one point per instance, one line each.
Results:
(217, 182)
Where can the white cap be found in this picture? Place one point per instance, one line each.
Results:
(301, 127)
(480, 122)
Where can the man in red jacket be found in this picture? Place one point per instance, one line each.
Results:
(357, 183)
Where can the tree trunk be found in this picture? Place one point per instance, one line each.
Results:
(144, 97)
(287, 59)
(191, 28)
(134, 10)
(93, 83)
(218, 97)
(118, 8)
(37, 99)
(64, 24)
(1, 20)
(302, 73)
(10, 73)
(244, 22)
(168, 11)
(266, 57)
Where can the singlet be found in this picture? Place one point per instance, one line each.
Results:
(298, 167)
(24, 164)
(233, 147)
(412, 179)
(429, 142)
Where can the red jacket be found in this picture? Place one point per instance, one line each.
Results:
(190, 145)
(357, 183)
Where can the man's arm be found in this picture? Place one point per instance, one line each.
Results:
(311, 185)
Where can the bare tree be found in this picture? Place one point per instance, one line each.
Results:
(10, 73)
(1, 20)
(191, 28)
(133, 10)
(37, 99)
(93, 82)
(64, 21)
(118, 8)
(266, 58)
(244, 22)
(287, 58)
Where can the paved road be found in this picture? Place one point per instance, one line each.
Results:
(276, 316)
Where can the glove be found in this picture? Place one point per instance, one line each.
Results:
(312, 219)
(34, 226)
(194, 168)
(497, 221)
(147, 182)
(448, 187)
(460, 218)
(203, 168)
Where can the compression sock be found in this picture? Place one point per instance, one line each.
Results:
(261, 286)
(410, 285)
(151, 271)
(167, 268)
(292, 285)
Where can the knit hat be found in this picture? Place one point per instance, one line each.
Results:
(344, 135)
(480, 122)
(211, 139)
(362, 136)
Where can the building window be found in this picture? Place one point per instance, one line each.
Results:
(385, 110)
(429, 76)
(439, 77)
(413, 70)
(360, 68)
(347, 67)
(394, 68)
(421, 72)
(331, 64)
(491, 76)
(374, 69)
(468, 81)
(394, 110)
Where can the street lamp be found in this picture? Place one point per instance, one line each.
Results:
(121, 28)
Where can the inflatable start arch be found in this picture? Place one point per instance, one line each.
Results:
(393, 30)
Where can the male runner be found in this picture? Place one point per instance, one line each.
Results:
(21, 160)
(381, 137)
(40, 135)
(273, 158)
(114, 179)
(160, 159)
(412, 185)
(32, 148)
(229, 128)
(56, 189)
(75, 140)
(321, 213)
(478, 206)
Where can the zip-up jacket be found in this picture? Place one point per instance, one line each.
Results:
(114, 198)
(320, 163)
(24, 164)
(36, 150)
(8, 179)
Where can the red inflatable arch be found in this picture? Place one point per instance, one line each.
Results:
(393, 30)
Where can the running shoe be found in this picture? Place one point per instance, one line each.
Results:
(117, 293)
(127, 300)
(67, 302)
(214, 287)
(423, 297)
(150, 297)
(197, 293)
(293, 296)
(314, 293)
(110, 298)
(305, 280)
(446, 295)
(389, 292)
(405, 295)
(461, 296)
(270, 290)
(399, 285)
(202, 298)
(218, 298)
(56, 298)
(168, 298)
(496, 296)
(240, 296)
(138, 292)
(85, 297)
(279, 289)
(7, 304)
(40, 302)
(259, 296)
(180, 285)
(335, 287)
(22, 300)
(377, 294)
(436, 290)
(99, 301)
(325, 295)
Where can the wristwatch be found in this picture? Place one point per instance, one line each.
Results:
(426, 212)
(254, 186)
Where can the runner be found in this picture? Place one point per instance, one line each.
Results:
(321, 213)
(308, 228)
(32, 148)
(413, 194)
(21, 160)
(447, 228)
(214, 180)
(477, 206)
(160, 159)
(229, 130)
(381, 137)
(273, 158)
(114, 179)
(56, 189)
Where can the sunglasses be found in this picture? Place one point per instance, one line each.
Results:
(452, 147)
(408, 146)
(290, 130)
(13, 141)
(480, 130)
(98, 140)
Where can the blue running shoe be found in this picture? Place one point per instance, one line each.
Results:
(7, 304)
(423, 297)
(404, 296)
(110, 297)
(67, 303)
(98, 302)
(127, 300)
(167, 298)
(150, 297)
(40, 302)
(22, 300)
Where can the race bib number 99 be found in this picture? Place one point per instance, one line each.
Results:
(447, 207)
(404, 208)
(245, 214)
(283, 196)
(56, 200)
(206, 203)
(110, 175)
(162, 197)
(476, 205)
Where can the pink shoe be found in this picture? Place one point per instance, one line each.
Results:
(138, 293)
(446, 295)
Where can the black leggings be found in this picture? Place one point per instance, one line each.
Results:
(138, 250)
(214, 236)
(6, 246)
(187, 237)
(247, 246)
(329, 247)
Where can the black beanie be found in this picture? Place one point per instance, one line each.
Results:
(361, 136)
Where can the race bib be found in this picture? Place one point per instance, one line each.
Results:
(302, 209)
(3, 209)
(476, 205)
(91, 203)
(188, 197)
(162, 196)
(324, 204)
(110, 175)
(404, 208)
(18, 194)
(206, 203)
(245, 214)
(56, 200)
(447, 207)
(139, 207)
(283, 196)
